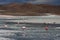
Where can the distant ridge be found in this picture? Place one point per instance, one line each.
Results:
(30, 9)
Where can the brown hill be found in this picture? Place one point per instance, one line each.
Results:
(30, 9)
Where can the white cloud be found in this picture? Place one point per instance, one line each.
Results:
(40, 1)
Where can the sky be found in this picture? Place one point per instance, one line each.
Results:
(52, 2)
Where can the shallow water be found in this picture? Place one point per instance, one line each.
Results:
(15, 32)
(33, 31)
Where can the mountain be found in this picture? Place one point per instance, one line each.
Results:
(30, 9)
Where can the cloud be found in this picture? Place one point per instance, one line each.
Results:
(52, 2)
(40, 1)
(43, 1)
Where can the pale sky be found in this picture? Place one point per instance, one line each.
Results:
(54, 2)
